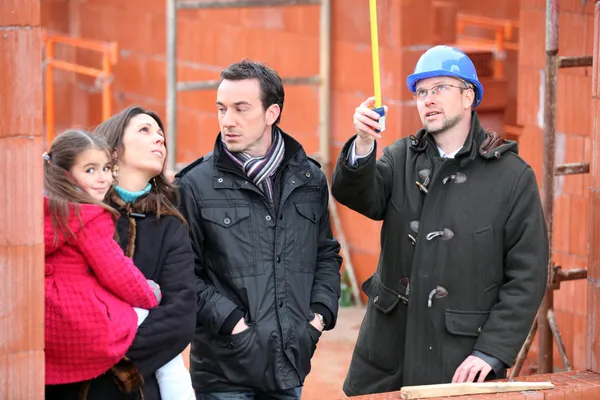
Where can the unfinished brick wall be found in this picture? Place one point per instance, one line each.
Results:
(21, 240)
(574, 124)
(593, 331)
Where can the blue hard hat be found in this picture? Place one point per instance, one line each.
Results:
(446, 61)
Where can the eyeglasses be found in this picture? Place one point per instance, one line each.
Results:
(421, 94)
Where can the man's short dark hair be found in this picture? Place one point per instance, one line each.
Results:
(271, 87)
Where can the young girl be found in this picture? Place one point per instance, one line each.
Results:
(91, 286)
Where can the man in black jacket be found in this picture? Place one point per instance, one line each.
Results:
(266, 260)
(464, 245)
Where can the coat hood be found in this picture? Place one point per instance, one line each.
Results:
(487, 144)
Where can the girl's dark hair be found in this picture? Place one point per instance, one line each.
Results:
(63, 192)
(164, 195)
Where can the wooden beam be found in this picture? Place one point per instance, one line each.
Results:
(461, 389)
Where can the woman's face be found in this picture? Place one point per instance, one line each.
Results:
(144, 147)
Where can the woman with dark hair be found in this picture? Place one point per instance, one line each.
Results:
(154, 234)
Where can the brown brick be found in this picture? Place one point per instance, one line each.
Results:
(594, 147)
(410, 57)
(360, 76)
(563, 298)
(533, 38)
(533, 4)
(596, 54)
(564, 321)
(573, 104)
(350, 21)
(409, 121)
(342, 127)
(293, 20)
(291, 62)
(594, 253)
(420, 33)
(508, 9)
(573, 153)
(92, 24)
(530, 149)
(577, 7)
(589, 39)
(361, 232)
(562, 234)
(202, 127)
(579, 225)
(129, 75)
(444, 20)
(392, 80)
(580, 335)
(530, 81)
(301, 111)
(21, 82)
(593, 331)
(367, 260)
(25, 377)
(21, 178)
(19, 13)
(55, 16)
(571, 26)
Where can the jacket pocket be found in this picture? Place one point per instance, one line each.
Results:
(466, 323)
(306, 232)
(462, 330)
(238, 358)
(382, 334)
(102, 305)
(229, 240)
(304, 349)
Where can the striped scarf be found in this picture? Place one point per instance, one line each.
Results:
(261, 170)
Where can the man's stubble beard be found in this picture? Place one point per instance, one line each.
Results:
(448, 124)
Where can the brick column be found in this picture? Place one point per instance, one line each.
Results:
(593, 317)
(21, 243)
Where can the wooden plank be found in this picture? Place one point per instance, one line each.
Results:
(461, 389)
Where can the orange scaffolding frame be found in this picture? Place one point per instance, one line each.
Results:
(503, 29)
(110, 55)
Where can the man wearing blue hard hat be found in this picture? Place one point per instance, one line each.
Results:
(464, 245)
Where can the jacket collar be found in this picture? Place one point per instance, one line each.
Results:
(487, 144)
(293, 154)
(294, 159)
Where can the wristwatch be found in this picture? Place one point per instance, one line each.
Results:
(321, 320)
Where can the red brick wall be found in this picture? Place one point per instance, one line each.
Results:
(21, 240)
(593, 331)
(574, 124)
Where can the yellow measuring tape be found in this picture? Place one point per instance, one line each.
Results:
(375, 54)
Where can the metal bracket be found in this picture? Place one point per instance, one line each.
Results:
(575, 62)
(572, 169)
